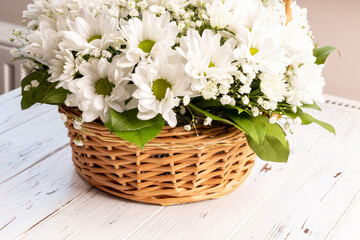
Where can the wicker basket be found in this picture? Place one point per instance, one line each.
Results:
(175, 167)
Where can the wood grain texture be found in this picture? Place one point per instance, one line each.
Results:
(96, 215)
(10, 95)
(315, 196)
(14, 116)
(26, 137)
(227, 214)
(38, 192)
(348, 224)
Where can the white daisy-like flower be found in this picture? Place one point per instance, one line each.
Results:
(159, 86)
(91, 34)
(221, 12)
(148, 36)
(34, 11)
(207, 58)
(260, 40)
(298, 43)
(274, 87)
(246, 13)
(44, 42)
(187, 128)
(103, 86)
(306, 84)
(63, 69)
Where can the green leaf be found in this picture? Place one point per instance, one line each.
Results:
(276, 131)
(210, 115)
(46, 92)
(312, 106)
(275, 147)
(25, 104)
(205, 104)
(255, 127)
(271, 150)
(323, 53)
(127, 126)
(308, 119)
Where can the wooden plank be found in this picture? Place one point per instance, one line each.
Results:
(313, 198)
(23, 146)
(13, 115)
(348, 227)
(38, 192)
(217, 219)
(12, 94)
(171, 222)
(95, 214)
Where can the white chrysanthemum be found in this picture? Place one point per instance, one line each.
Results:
(90, 34)
(246, 14)
(44, 42)
(259, 39)
(34, 11)
(63, 69)
(300, 16)
(274, 87)
(307, 84)
(103, 86)
(159, 86)
(221, 12)
(207, 58)
(150, 35)
(298, 43)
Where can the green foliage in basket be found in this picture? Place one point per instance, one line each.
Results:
(128, 127)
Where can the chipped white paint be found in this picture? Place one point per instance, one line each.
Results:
(314, 196)
(32, 140)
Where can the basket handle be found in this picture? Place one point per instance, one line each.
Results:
(288, 11)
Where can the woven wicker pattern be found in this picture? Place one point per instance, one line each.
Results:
(175, 167)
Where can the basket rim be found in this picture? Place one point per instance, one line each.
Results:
(169, 137)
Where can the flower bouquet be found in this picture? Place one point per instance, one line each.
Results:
(167, 101)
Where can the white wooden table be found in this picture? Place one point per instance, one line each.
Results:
(316, 195)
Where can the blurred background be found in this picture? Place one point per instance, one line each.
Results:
(333, 22)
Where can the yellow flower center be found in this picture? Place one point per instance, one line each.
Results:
(146, 45)
(104, 87)
(254, 51)
(94, 38)
(160, 87)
